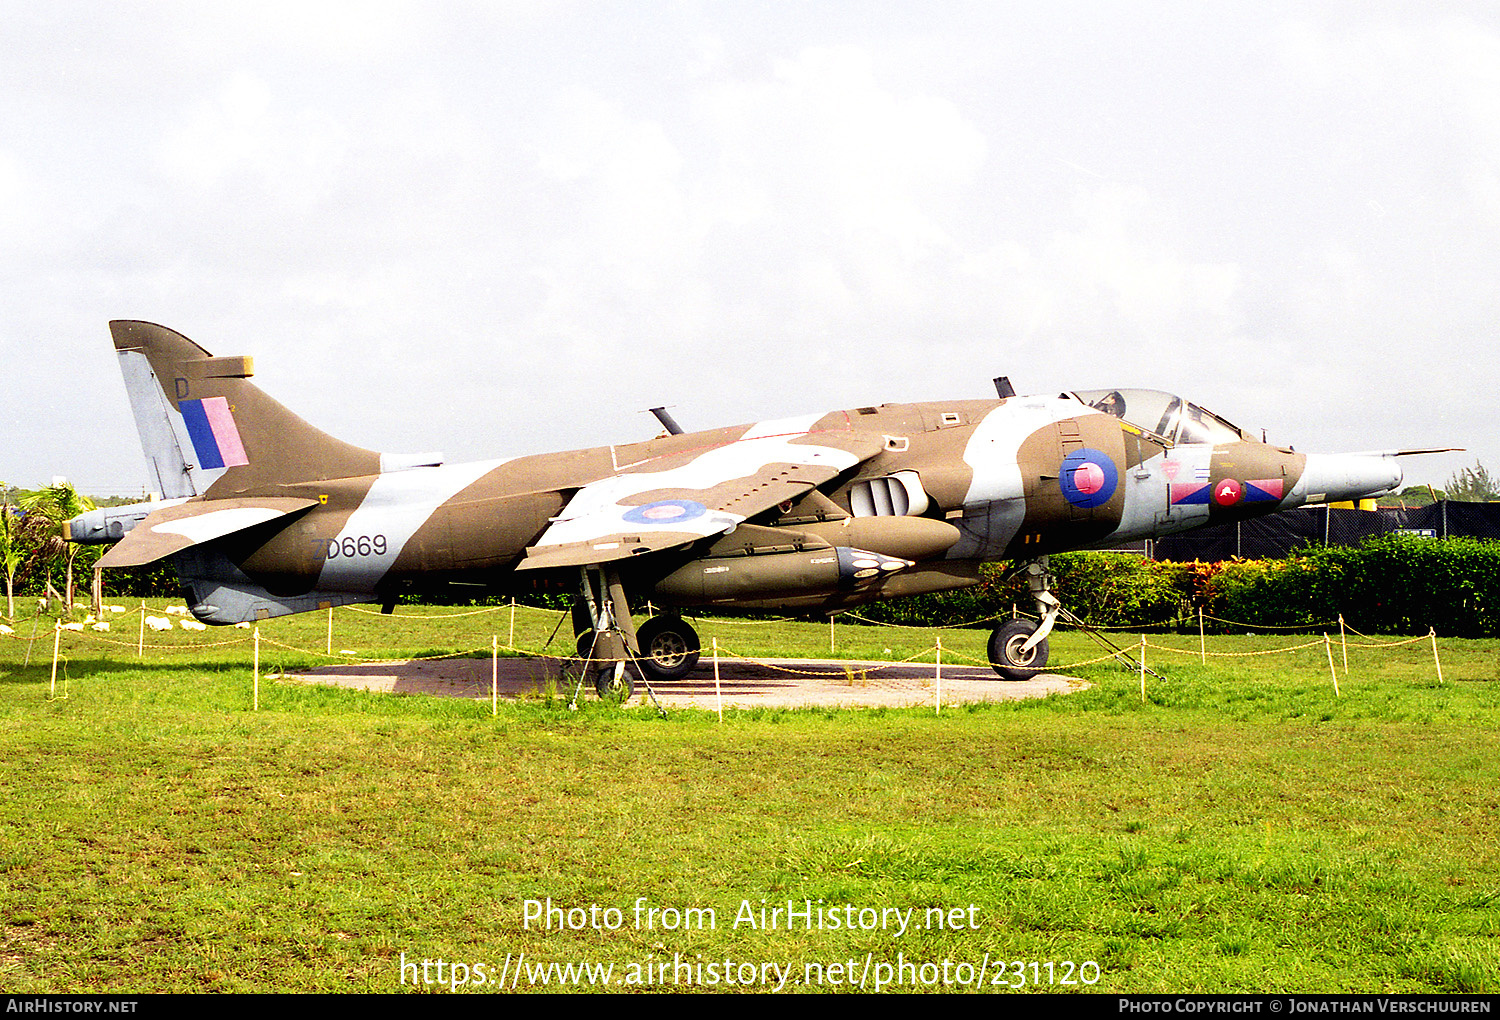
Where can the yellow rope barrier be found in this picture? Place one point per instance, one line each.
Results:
(725, 652)
(743, 623)
(952, 657)
(917, 626)
(94, 636)
(1235, 655)
(439, 616)
(1271, 626)
(1386, 644)
(1051, 667)
(351, 658)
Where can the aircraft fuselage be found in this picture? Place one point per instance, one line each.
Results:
(1012, 479)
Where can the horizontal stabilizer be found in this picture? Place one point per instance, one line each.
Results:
(183, 525)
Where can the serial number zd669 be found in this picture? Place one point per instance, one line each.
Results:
(362, 545)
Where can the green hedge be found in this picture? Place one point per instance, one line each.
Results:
(1391, 585)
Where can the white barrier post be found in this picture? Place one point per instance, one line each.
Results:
(1328, 647)
(255, 700)
(36, 621)
(56, 638)
(1143, 669)
(330, 630)
(495, 671)
(140, 640)
(511, 641)
(1432, 633)
(1202, 648)
(1344, 643)
(719, 694)
(938, 707)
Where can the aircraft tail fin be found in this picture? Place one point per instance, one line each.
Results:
(204, 425)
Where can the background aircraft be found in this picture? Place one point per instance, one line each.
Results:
(264, 515)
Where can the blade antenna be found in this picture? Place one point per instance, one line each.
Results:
(668, 422)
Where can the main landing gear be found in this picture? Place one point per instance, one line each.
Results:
(669, 648)
(1018, 648)
(665, 648)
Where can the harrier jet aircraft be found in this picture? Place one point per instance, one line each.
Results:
(263, 515)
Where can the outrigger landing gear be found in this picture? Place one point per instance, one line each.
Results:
(1018, 648)
(607, 639)
(604, 636)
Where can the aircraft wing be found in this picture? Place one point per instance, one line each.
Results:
(642, 510)
(183, 525)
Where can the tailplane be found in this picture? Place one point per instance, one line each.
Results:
(207, 430)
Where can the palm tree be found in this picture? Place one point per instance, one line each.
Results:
(1473, 485)
(12, 549)
(47, 511)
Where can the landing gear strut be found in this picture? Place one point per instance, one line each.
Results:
(605, 635)
(607, 640)
(1018, 648)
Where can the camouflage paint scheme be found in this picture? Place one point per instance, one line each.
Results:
(264, 515)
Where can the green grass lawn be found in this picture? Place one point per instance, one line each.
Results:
(1242, 829)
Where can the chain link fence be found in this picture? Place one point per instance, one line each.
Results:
(1280, 534)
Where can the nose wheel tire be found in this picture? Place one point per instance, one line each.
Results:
(1007, 656)
(669, 648)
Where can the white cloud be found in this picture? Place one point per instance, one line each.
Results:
(532, 205)
(822, 139)
(1119, 268)
(340, 30)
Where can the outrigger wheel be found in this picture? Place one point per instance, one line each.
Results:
(1008, 652)
(613, 683)
(669, 648)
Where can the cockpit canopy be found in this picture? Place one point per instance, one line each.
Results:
(1163, 415)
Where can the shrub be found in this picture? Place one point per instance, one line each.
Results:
(1392, 585)
(1118, 589)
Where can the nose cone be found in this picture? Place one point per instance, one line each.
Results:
(1335, 477)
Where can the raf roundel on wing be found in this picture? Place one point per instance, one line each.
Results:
(665, 512)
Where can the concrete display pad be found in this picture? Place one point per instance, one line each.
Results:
(791, 683)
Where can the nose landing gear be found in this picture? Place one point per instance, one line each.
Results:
(1009, 654)
(1018, 648)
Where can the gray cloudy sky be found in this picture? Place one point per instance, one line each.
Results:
(503, 228)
